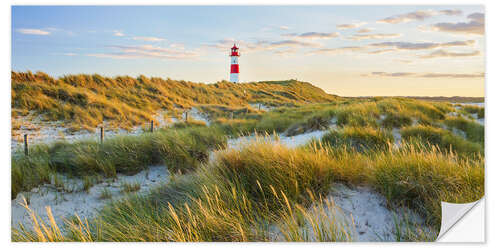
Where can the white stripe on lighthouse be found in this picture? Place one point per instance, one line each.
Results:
(234, 77)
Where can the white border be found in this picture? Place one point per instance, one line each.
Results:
(492, 99)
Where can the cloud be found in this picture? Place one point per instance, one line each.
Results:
(397, 74)
(474, 26)
(118, 33)
(384, 47)
(365, 30)
(380, 51)
(358, 37)
(148, 38)
(146, 51)
(290, 43)
(424, 75)
(336, 50)
(38, 32)
(284, 27)
(313, 35)
(444, 53)
(69, 54)
(286, 52)
(247, 47)
(451, 12)
(350, 25)
(441, 75)
(418, 16)
(421, 46)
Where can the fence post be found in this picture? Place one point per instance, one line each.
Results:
(259, 106)
(152, 126)
(186, 114)
(26, 152)
(102, 134)
(232, 115)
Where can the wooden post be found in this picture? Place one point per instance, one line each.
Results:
(232, 115)
(102, 134)
(259, 106)
(26, 152)
(152, 126)
(186, 115)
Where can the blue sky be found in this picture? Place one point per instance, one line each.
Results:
(346, 50)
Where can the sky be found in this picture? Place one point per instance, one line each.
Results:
(346, 50)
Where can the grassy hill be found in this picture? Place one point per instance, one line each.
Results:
(85, 101)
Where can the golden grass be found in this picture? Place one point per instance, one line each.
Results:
(123, 101)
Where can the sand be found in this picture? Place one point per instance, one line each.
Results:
(85, 204)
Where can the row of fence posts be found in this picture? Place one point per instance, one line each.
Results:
(101, 129)
(101, 133)
(101, 137)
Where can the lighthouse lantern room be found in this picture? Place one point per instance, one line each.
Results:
(235, 68)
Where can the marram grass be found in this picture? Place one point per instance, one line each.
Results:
(263, 192)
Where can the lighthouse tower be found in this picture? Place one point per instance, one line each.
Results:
(235, 67)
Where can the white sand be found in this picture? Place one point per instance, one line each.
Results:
(197, 115)
(84, 204)
(361, 211)
(291, 141)
(373, 221)
(396, 133)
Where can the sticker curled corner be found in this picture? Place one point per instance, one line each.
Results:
(451, 213)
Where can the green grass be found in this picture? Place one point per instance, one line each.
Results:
(105, 194)
(181, 150)
(473, 130)
(130, 187)
(473, 109)
(246, 194)
(396, 120)
(359, 138)
(442, 138)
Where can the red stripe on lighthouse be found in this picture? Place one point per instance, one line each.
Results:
(235, 68)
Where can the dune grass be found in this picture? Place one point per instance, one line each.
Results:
(473, 109)
(442, 138)
(267, 191)
(181, 150)
(359, 138)
(85, 101)
(473, 130)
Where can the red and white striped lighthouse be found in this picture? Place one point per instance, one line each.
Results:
(235, 67)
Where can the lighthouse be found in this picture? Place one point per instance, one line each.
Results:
(235, 67)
